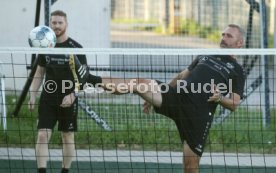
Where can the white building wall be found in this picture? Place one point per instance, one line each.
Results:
(89, 24)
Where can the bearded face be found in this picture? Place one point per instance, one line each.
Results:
(231, 38)
(59, 25)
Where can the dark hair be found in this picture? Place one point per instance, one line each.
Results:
(241, 30)
(59, 13)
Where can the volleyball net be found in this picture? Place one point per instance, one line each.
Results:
(242, 140)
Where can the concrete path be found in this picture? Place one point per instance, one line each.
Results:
(218, 159)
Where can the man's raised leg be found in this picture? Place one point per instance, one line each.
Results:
(148, 89)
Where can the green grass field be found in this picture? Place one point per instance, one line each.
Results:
(236, 135)
(231, 136)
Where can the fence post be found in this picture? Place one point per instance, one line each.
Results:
(174, 16)
(264, 64)
(274, 24)
(3, 110)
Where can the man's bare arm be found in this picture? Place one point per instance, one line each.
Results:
(37, 81)
(230, 103)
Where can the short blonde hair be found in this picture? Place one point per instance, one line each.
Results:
(59, 13)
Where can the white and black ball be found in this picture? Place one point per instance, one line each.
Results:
(42, 37)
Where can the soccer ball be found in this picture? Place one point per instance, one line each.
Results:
(42, 36)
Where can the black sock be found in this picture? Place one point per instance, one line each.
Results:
(64, 170)
(94, 79)
(41, 170)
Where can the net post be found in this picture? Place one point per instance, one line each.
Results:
(3, 113)
(264, 66)
(47, 10)
(47, 5)
(274, 41)
(37, 16)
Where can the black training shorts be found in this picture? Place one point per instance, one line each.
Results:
(50, 114)
(193, 120)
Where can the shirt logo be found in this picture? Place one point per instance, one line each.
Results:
(218, 58)
(199, 148)
(72, 44)
(48, 59)
(229, 65)
(205, 58)
(70, 126)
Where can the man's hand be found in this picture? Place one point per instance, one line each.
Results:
(68, 100)
(216, 97)
(31, 104)
(146, 107)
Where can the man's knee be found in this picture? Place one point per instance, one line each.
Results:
(67, 137)
(191, 159)
(43, 135)
(191, 162)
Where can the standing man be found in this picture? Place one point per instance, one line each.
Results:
(191, 98)
(56, 104)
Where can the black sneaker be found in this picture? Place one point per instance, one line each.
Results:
(81, 70)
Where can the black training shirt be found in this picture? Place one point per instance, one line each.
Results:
(58, 72)
(221, 70)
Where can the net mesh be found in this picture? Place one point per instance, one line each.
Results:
(241, 139)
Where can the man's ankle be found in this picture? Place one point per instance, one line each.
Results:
(41, 170)
(64, 170)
